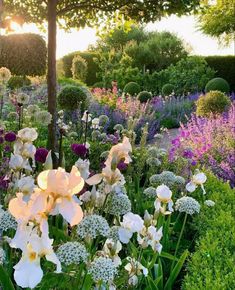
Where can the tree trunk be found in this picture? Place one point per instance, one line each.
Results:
(51, 74)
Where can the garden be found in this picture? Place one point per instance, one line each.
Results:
(117, 164)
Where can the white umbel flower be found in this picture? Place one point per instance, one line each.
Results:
(150, 192)
(188, 205)
(102, 269)
(22, 98)
(118, 204)
(7, 221)
(72, 253)
(2, 256)
(209, 203)
(92, 226)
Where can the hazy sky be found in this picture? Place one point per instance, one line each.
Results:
(185, 27)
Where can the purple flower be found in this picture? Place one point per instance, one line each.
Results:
(1, 139)
(7, 148)
(79, 149)
(188, 154)
(10, 137)
(41, 155)
(4, 182)
(122, 166)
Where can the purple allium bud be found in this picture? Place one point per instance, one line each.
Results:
(122, 166)
(7, 148)
(41, 155)
(10, 137)
(79, 149)
(193, 163)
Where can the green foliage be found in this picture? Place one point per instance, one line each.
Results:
(16, 82)
(132, 88)
(23, 54)
(217, 20)
(224, 67)
(168, 89)
(72, 97)
(212, 264)
(217, 84)
(79, 68)
(144, 96)
(214, 102)
(188, 75)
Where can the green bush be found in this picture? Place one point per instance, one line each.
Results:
(224, 67)
(214, 102)
(144, 96)
(16, 82)
(72, 97)
(212, 264)
(168, 89)
(98, 85)
(217, 84)
(23, 54)
(79, 68)
(132, 88)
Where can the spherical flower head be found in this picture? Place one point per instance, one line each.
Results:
(166, 177)
(153, 151)
(72, 253)
(122, 166)
(103, 120)
(5, 75)
(93, 226)
(10, 136)
(188, 205)
(41, 155)
(43, 117)
(2, 256)
(95, 135)
(7, 148)
(209, 203)
(79, 149)
(28, 134)
(1, 140)
(118, 204)
(118, 127)
(113, 234)
(153, 162)
(164, 193)
(102, 269)
(32, 109)
(22, 99)
(7, 221)
(158, 136)
(12, 116)
(150, 192)
(179, 180)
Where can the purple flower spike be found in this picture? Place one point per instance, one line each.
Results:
(10, 137)
(79, 149)
(41, 155)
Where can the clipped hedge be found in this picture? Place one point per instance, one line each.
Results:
(212, 264)
(224, 67)
(92, 67)
(23, 54)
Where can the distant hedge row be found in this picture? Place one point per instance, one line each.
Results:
(23, 54)
(224, 67)
(92, 67)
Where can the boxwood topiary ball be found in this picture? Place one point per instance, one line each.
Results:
(16, 82)
(218, 84)
(132, 88)
(144, 96)
(72, 97)
(168, 89)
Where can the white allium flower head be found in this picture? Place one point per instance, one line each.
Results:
(72, 253)
(7, 221)
(5, 74)
(32, 109)
(43, 117)
(209, 203)
(93, 226)
(103, 120)
(23, 98)
(102, 269)
(118, 204)
(118, 127)
(2, 256)
(150, 192)
(188, 205)
(153, 162)
(113, 234)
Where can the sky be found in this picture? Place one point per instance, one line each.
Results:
(185, 27)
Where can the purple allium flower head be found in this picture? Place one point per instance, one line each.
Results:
(1, 131)
(41, 155)
(79, 149)
(122, 166)
(1, 139)
(4, 182)
(7, 148)
(188, 154)
(10, 137)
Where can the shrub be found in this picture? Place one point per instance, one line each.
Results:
(98, 85)
(72, 97)
(211, 265)
(217, 84)
(79, 68)
(144, 96)
(168, 89)
(16, 82)
(23, 54)
(131, 88)
(224, 67)
(214, 102)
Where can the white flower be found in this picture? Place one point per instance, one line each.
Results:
(198, 179)
(150, 236)
(95, 123)
(132, 223)
(118, 204)
(28, 134)
(83, 166)
(26, 150)
(102, 269)
(2, 256)
(25, 185)
(32, 110)
(28, 272)
(188, 205)
(164, 195)
(111, 249)
(86, 116)
(72, 253)
(209, 202)
(135, 269)
(22, 99)
(17, 163)
(5, 75)
(43, 118)
(7, 221)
